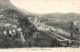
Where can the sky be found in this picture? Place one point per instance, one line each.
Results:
(48, 6)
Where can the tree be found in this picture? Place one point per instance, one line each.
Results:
(71, 29)
(56, 43)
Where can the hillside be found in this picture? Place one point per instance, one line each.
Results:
(17, 31)
(62, 21)
(10, 19)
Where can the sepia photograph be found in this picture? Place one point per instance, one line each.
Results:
(39, 24)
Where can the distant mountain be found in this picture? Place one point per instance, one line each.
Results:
(61, 16)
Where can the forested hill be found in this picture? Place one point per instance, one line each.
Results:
(12, 18)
